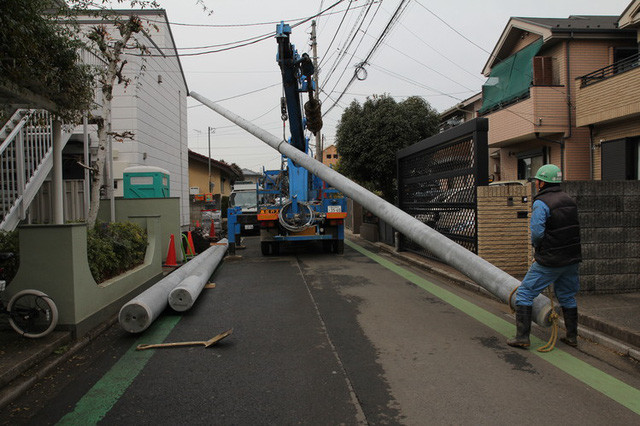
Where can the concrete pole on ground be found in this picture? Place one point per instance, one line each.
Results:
(185, 294)
(138, 314)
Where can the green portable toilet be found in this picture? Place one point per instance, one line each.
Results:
(145, 182)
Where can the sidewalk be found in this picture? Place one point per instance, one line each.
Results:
(610, 320)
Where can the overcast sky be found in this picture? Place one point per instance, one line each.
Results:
(425, 54)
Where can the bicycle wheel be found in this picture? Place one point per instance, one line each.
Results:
(32, 313)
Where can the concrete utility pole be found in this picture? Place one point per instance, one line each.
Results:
(314, 51)
(491, 278)
(209, 130)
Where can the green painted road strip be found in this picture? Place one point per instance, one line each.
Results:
(615, 389)
(96, 403)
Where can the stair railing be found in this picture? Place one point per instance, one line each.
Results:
(22, 155)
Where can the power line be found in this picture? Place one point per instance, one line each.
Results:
(339, 26)
(440, 53)
(396, 16)
(348, 41)
(359, 43)
(454, 30)
(246, 42)
(240, 95)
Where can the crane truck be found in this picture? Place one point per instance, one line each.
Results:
(293, 204)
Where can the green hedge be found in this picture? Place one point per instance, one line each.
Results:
(114, 248)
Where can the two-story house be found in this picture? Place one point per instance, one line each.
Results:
(530, 95)
(152, 108)
(608, 105)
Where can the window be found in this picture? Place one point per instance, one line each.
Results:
(624, 58)
(529, 162)
(328, 155)
(335, 155)
(621, 159)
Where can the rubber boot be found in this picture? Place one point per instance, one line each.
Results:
(523, 327)
(571, 324)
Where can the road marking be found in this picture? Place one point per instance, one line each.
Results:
(96, 403)
(615, 389)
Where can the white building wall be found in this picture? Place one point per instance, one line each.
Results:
(154, 108)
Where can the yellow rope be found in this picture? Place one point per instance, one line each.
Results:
(553, 317)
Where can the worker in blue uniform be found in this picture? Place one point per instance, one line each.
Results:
(555, 235)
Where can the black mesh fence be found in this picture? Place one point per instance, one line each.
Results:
(437, 180)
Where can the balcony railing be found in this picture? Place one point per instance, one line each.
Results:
(613, 69)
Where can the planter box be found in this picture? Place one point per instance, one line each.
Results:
(53, 259)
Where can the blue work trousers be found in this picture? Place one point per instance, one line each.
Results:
(565, 279)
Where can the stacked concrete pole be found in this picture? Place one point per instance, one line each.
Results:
(138, 314)
(490, 277)
(185, 294)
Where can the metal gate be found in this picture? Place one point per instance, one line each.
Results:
(437, 180)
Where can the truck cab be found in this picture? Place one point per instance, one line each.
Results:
(243, 203)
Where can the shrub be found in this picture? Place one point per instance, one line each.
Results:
(114, 248)
(9, 244)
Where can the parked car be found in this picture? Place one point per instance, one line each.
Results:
(452, 212)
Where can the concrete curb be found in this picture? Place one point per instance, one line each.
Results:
(12, 371)
(19, 386)
(605, 336)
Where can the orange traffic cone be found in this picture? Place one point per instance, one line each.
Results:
(191, 246)
(212, 230)
(171, 253)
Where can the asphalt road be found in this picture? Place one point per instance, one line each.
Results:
(324, 339)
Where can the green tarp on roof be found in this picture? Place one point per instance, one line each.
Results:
(511, 78)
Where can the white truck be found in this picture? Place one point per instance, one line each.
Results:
(245, 196)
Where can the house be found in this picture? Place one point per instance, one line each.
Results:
(530, 95)
(250, 175)
(207, 175)
(608, 105)
(152, 108)
(330, 156)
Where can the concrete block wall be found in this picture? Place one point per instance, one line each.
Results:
(503, 227)
(610, 233)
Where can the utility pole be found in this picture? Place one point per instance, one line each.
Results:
(314, 51)
(209, 131)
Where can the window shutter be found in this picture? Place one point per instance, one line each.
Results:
(542, 71)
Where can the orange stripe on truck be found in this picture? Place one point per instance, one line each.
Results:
(268, 216)
(336, 215)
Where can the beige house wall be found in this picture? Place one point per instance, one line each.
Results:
(199, 176)
(614, 98)
(503, 227)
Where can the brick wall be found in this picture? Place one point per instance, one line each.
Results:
(503, 227)
(610, 232)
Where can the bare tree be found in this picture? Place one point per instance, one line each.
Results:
(111, 49)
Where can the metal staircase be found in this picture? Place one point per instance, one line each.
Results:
(26, 158)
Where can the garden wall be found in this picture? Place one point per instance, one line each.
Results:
(53, 259)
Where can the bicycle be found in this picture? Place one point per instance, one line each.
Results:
(31, 312)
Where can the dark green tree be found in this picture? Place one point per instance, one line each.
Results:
(369, 135)
(40, 55)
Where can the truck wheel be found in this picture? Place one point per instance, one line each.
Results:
(265, 247)
(339, 246)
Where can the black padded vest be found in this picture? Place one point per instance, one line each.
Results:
(560, 245)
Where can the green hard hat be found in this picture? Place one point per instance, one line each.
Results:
(549, 173)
